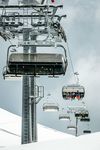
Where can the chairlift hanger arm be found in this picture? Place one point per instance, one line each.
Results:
(8, 53)
(60, 17)
(42, 1)
(59, 29)
(39, 100)
(59, 45)
(3, 36)
(3, 71)
(54, 11)
(41, 96)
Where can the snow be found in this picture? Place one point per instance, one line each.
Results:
(10, 129)
(87, 142)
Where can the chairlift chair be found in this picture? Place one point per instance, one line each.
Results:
(50, 107)
(71, 127)
(73, 92)
(64, 117)
(87, 131)
(35, 64)
(75, 109)
(82, 114)
(85, 119)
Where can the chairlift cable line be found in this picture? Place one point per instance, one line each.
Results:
(70, 57)
(72, 66)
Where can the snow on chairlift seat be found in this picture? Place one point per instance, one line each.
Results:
(64, 117)
(72, 92)
(71, 127)
(50, 107)
(36, 64)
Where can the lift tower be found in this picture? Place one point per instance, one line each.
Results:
(29, 20)
(29, 128)
(28, 135)
(29, 125)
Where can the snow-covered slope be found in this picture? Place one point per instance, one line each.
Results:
(10, 130)
(87, 142)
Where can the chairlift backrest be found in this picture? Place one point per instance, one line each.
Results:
(36, 57)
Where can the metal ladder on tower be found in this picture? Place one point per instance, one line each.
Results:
(25, 105)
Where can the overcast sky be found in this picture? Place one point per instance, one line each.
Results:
(82, 27)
